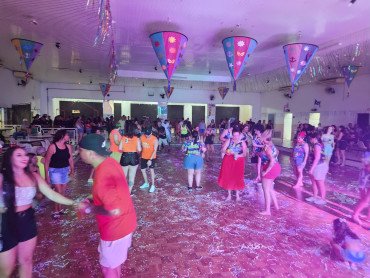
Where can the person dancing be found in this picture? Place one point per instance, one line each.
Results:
(209, 135)
(299, 158)
(131, 147)
(328, 140)
(193, 162)
(149, 145)
(231, 175)
(257, 148)
(18, 229)
(270, 170)
(318, 170)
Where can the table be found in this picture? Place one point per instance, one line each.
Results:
(32, 141)
(43, 137)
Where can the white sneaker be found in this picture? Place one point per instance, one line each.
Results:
(311, 199)
(320, 202)
(145, 185)
(152, 189)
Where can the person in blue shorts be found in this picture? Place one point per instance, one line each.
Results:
(193, 162)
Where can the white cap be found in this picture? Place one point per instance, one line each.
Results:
(25, 120)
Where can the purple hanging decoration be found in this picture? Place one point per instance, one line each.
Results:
(298, 56)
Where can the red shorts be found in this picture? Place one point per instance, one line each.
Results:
(273, 173)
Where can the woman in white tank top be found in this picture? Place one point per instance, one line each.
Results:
(18, 230)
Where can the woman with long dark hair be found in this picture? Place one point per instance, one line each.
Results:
(328, 141)
(131, 147)
(342, 145)
(231, 175)
(59, 166)
(318, 170)
(193, 162)
(18, 229)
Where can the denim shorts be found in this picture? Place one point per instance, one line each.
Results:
(193, 162)
(59, 175)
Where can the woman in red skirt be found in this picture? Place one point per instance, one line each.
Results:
(271, 169)
(232, 169)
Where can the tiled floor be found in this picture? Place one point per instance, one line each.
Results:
(200, 235)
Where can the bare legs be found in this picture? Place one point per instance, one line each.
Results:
(229, 195)
(316, 185)
(23, 252)
(198, 175)
(130, 172)
(269, 194)
(361, 205)
(299, 174)
(61, 189)
(111, 272)
(210, 149)
(145, 176)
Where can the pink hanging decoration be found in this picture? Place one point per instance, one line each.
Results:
(169, 47)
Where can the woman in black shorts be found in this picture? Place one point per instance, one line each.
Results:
(131, 147)
(18, 229)
(209, 135)
(342, 145)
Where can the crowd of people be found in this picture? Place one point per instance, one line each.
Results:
(133, 142)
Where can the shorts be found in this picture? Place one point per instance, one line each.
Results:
(192, 161)
(274, 171)
(299, 163)
(116, 156)
(320, 171)
(129, 159)
(184, 135)
(80, 131)
(17, 227)
(59, 175)
(169, 137)
(144, 164)
(342, 145)
(201, 131)
(114, 253)
(328, 149)
(162, 141)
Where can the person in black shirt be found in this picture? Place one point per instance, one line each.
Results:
(162, 136)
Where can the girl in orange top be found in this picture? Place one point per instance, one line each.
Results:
(115, 139)
(131, 147)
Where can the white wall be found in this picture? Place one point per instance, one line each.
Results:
(92, 92)
(11, 93)
(335, 108)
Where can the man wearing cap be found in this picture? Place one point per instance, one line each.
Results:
(112, 205)
(115, 138)
(23, 131)
(149, 145)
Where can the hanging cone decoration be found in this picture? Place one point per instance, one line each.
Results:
(169, 47)
(104, 89)
(298, 56)
(237, 51)
(168, 92)
(28, 51)
(349, 74)
(223, 92)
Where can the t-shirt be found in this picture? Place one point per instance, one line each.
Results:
(162, 132)
(111, 191)
(148, 146)
(193, 148)
(167, 127)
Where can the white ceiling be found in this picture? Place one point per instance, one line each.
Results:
(331, 24)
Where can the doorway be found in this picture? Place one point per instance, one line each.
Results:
(288, 121)
(314, 119)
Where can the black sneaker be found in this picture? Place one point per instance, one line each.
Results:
(199, 187)
(190, 189)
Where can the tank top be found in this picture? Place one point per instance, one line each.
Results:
(265, 158)
(60, 159)
(24, 195)
(184, 130)
(235, 147)
(257, 141)
(148, 146)
(129, 145)
(113, 146)
(298, 152)
(322, 153)
(41, 166)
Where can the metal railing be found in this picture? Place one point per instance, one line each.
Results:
(72, 132)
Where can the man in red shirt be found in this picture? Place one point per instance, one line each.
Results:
(112, 205)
